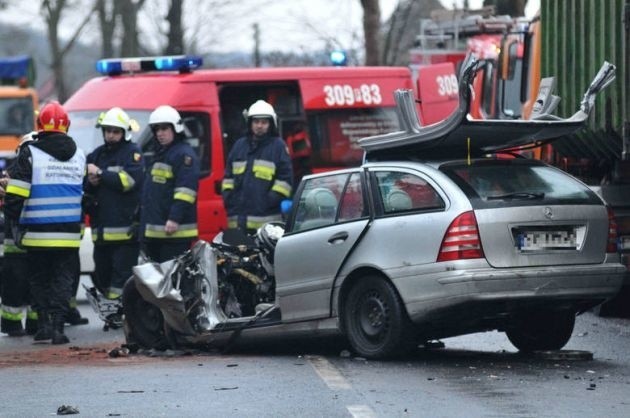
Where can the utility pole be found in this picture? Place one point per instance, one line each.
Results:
(256, 45)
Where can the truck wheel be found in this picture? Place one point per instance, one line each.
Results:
(542, 331)
(375, 320)
(143, 321)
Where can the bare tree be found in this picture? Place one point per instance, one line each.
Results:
(371, 30)
(52, 11)
(107, 14)
(175, 36)
(402, 28)
(128, 9)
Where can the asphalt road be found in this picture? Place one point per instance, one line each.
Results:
(476, 375)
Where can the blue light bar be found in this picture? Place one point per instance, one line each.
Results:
(338, 58)
(181, 63)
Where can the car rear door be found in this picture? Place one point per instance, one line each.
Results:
(531, 214)
(330, 214)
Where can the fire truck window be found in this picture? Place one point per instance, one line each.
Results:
(88, 136)
(295, 134)
(197, 131)
(16, 115)
(237, 98)
(334, 133)
(511, 88)
(489, 89)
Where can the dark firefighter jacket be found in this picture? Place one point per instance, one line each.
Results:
(10, 225)
(114, 203)
(258, 177)
(47, 205)
(170, 192)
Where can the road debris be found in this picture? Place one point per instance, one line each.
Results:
(119, 352)
(555, 355)
(67, 410)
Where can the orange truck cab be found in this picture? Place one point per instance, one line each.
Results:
(322, 112)
(18, 103)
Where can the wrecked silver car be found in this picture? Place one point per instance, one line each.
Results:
(439, 233)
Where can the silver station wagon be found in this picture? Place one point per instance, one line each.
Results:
(441, 232)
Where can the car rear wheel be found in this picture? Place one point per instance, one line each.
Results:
(375, 320)
(143, 321)
(542, 331)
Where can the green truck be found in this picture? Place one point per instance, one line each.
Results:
(576, 38)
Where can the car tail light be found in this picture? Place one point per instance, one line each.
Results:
(611, 246)
(461, 240)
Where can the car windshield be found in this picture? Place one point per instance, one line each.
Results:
(87, 136)
(495, 183)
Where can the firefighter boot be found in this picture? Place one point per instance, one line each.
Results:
(44, 328)
(58, 337)
(11, 327)
(74, 317)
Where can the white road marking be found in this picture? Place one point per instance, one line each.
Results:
(328, 373)
(335, 381)
(361, 411)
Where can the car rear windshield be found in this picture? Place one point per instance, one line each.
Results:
(500, 183)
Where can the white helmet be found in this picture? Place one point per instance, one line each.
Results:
(118, 118)
(262, 109)
(166, 114)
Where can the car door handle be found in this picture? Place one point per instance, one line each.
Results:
(338, 238)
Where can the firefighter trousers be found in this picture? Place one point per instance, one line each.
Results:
(14, 292)
(52, 276)
(164, 250)
(112, 266)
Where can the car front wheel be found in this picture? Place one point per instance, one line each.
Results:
(542, 331)
(143, 321)
(375, 320)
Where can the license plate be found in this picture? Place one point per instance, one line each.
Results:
(624, 243)
(549, 240)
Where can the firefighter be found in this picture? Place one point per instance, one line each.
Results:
(43, 198)
(258, 173)
(112, 198)
(168, 207)
(15, 289)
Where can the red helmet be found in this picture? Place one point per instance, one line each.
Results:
(53, 118)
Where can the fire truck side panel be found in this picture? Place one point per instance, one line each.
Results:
(332, 101)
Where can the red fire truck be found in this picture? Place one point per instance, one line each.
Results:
(449, 35)
(322, 112)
